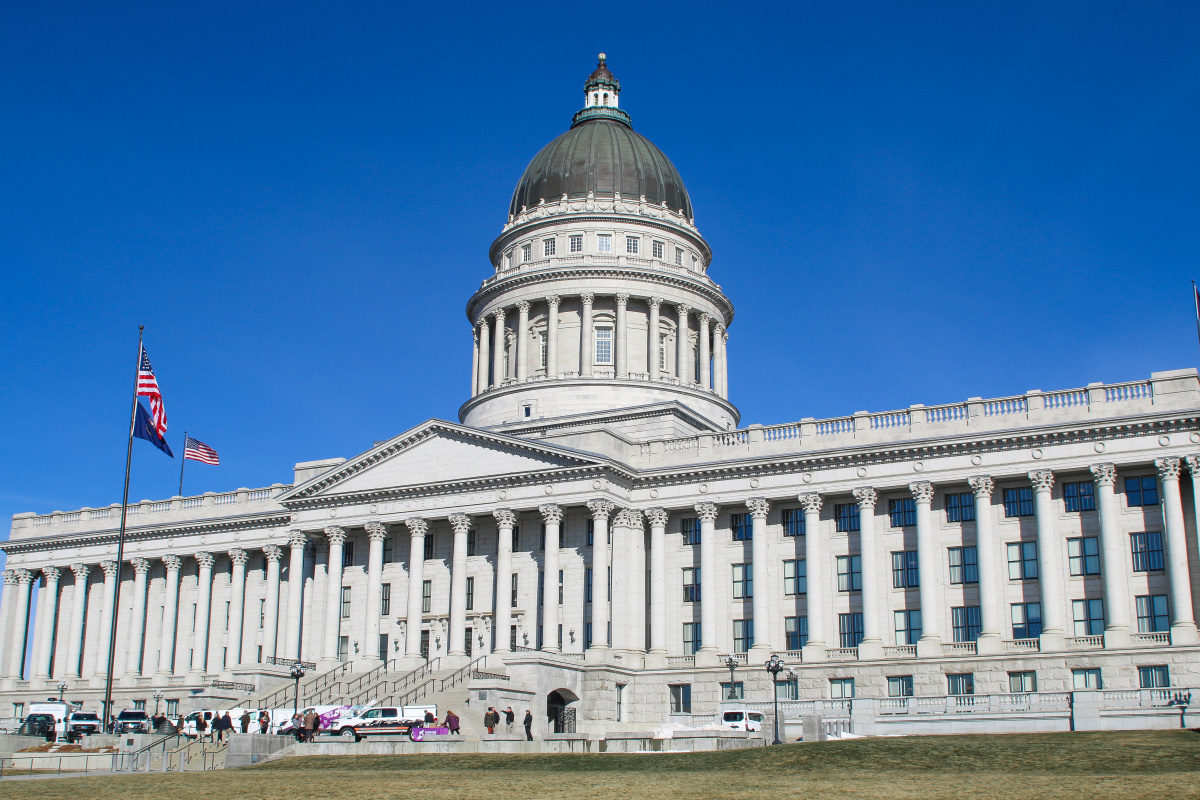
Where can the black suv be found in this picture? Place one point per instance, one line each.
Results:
(132, 721)
(39, 725)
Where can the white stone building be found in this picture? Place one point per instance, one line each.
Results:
(601, 530)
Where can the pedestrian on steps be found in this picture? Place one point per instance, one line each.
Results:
(452, 722)
(509, 718)
(246, 721)
(490, 719)
(528, 725)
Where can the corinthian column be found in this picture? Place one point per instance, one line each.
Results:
(719, 360)
(78, 610)
(237, 603)
(652, 344)
(297, 540)
(1183, 624)
(376, 532)
(764, 622)
(270, 621)
(461, 524)
(1113, 565)
(47, 606)
(6, 601)
(622, 337)
(871, 646)
(505, 519)
(1050, 577)
(474, 362)
(137, 619)
(417, 528)
(928, 565)
(484, 361)
(658, 579)
(601, 511)
(552, 515)
(622, 544)
(552, 336)
(203, 606)
(989, 566)
(814, 593)
(498, 375)
(683, 346)
(20, 626)
(333, 593)
(586, 339)
(166, 646)
(522, 340)
(707, 512)
(705, 379)
(104, 640)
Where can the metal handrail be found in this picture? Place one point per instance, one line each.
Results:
(281, 694)
(398, 684)
(370, 677)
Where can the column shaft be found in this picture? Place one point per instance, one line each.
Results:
(474, 362)
(20, 626)
(166, 645)
(705, 368)
(552, 516)
(652, 343)
(461, 524)
(928, 565)
(237, 603)
(1112, 554)
(552, 336)
(658, 579)
(502, 611)
(719, 360)
(586, 337)
(601, 511)
(78, 610)
(417, 529)
(709, 579)
(295, 596)
(47, 608)
(814, 593)
(1050, 573)
(500, 332)
(376, 532)
(637, 583)
(622, 337)
(6, 601)
(484, 359)
(989, 564)
(1183, 623)
(270, 620)
(619, 564)
(683, 343)
(333, 593)
(522, 340)
(764, 586)
(203, 605)
(872, 641)
(104, 640)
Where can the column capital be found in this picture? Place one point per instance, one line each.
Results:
(52, 573)
(499, 314)
(475, 335)
(505, 517)
(553, 300)
(172, 563)
(81, 571)
(866, 497)
(719, 328)
(981, 485)
(587, 298)
(238, 557)
(523, 306)
(335, 534)
(682, 309)
(655, 302)
(758, 507)
(657, 517)
(704, 317)
(922, 491)
(417, 526)
(10, 577)
(622, 300)
(297, 538)
(628, 518)
(141, 566)
(552, 514)
(1104, 474)
(811, 502)
(483, 325)
(272, 552)
(1042, 480)
(110, 569)
(376, 531)
(205, 560)
(1168, 468)
(1193, 464)
(460, 522)
(706, 511)
(601, 509)
(25, 577)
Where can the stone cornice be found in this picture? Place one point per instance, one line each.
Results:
(519, 230)
(553, 383)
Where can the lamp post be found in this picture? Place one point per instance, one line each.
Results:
(297, 674)
(731, 662)
(62, 690)
(775, 666)
(158, 696)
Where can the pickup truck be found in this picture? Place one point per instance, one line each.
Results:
(82, 723)
(388, 721)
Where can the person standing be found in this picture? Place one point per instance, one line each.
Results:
(246, 721)
(315, 728)
(452, 722)
(201, 727)
(528, 725)
(490, 719)
(509, 718)
(264, 723)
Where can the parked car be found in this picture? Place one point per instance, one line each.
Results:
(82, 723)
(382, 721)
(40, 725)
(133, 720)
(741, 719)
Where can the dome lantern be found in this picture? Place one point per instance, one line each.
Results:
(601, 96)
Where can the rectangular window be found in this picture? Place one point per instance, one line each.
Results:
(743, 581)
(590, 537)
(846, 516)
(343, 649)
(387, 549)
(513, 594)
(662, 352)
(1152, 614)
(732, 691)
(690, 528)
(966, 624)
(1089, 617)
(426, 596)
(691, 584)
(656, 249)
(900, 686)
(227, 615)
(346, 602)
(470, 593)
(681, 698)
(795, 630)
(1022, 682)
(140, 705)
(348, 555)
(841, 688)
(1026, 620)
(1141, 491)
(587, 585)
(679, 256)
(547, 247)
(172, 708)
(905, 571)
(385, 599)
(849, 573)
(960, 507)
(1083, 555)
(631, 245)
(262, 613)
(1088, 678)
(560, 587)
(788, 690)
(742, 527)
(1018, 502)
(960, 684)
(604, 243)
(850, 629)
(743, 635)
(425, 644)
(964, 565)
(902, 512)
(604, 346)
(526, 252)
(516, 538)
(542, 350)
(793, 522)
(1147, 551)
(429, 547)
(908, 626)
(1022, 561)
(1079, 496)
(691, 638)
(795, 578)
(576, 243)
(471, 542)
(1154, 677)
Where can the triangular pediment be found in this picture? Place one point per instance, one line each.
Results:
(440, 453)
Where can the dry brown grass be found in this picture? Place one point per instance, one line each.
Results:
(1118, 765)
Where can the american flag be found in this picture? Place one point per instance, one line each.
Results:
(147, 386)
(197, 450)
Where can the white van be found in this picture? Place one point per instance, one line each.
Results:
(742, 719)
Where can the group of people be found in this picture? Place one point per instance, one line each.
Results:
(221, 726)
(306, 726)
(491, 721)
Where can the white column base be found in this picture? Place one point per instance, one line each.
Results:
(708, 658)
(813, 652)
(1184, 632)
(989, 644)
(1052, 642)
(656, 659)
(929, 647)
(870, 650)
(1117, 638)
(759, 654)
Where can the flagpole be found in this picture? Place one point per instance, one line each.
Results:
(182, 461)
(1196, 299)
(112, 635)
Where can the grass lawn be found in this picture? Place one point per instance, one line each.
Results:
(1159, 764)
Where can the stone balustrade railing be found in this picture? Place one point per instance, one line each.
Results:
(613, 260)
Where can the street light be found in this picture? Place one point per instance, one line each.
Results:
(158, 696)
(775, 666)
(297, 674)
(62, 690)
(731, 662)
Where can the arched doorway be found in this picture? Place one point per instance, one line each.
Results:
(560, 711)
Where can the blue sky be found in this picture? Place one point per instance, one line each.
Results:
(908, 203)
